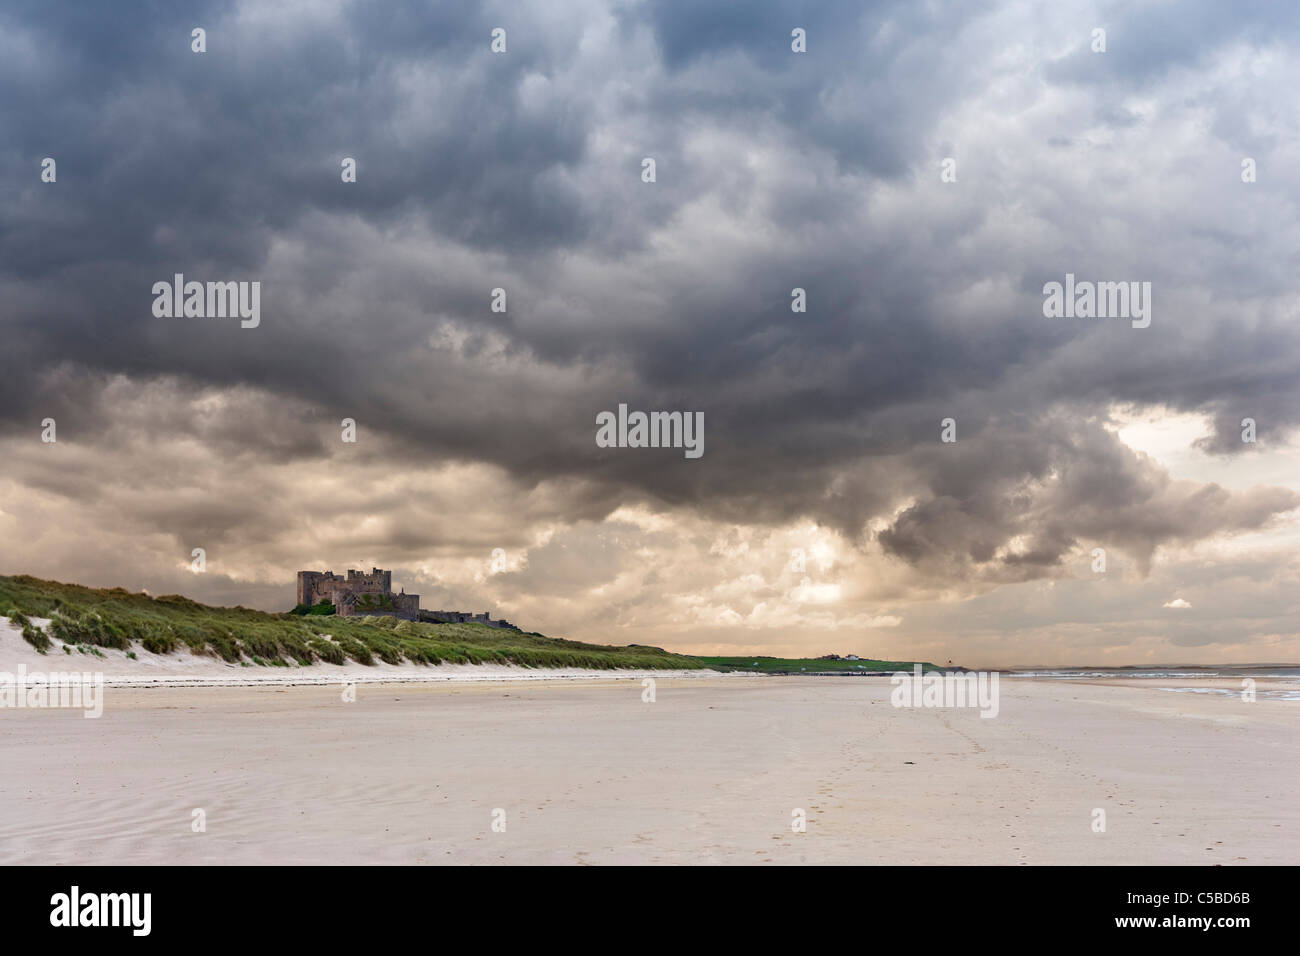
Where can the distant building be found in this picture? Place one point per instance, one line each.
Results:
(358, 594)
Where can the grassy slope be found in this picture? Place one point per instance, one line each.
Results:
(117, 618)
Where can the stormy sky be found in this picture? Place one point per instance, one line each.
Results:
(826, 513)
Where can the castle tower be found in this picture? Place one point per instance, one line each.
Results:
(307, 583)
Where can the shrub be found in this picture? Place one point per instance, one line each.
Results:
(327, 651)
(159, 639)
(34, 636)
(321, 609)
(355, 649)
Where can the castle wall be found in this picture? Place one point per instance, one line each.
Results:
(464, 617)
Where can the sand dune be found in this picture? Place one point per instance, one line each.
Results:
(183, 669)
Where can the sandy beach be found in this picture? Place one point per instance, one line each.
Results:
(710, 772)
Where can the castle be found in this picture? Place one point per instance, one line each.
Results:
(361, 594)
(357, 593)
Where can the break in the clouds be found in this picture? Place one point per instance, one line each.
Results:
(921, 172)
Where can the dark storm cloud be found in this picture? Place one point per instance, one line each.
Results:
(522, 171)
(1048, 487)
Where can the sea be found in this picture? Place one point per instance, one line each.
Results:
(1234, 674)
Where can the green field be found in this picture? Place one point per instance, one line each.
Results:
(96, 617)
(800, 665)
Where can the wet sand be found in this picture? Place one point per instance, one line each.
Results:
(710, 772)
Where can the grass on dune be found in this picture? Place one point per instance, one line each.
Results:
(114, 617)
(32, 634)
